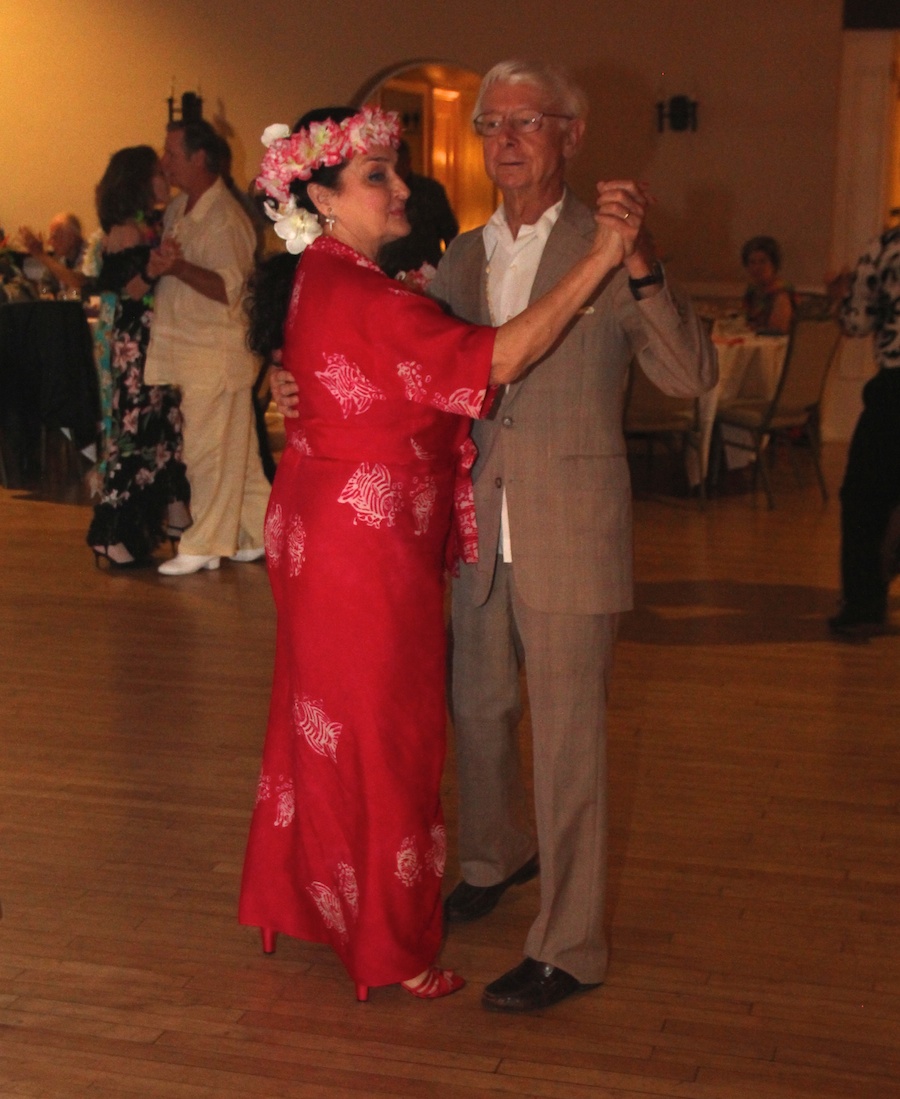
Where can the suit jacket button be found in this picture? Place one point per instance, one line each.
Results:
(498, 481)
(507, 421)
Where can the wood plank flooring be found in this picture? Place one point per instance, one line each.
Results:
(754, 903)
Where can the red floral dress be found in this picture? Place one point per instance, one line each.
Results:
(372, 496)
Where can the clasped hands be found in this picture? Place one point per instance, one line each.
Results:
(621, 207)
(165, 259)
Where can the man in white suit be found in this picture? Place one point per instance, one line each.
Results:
(198, 342)
(553, 505)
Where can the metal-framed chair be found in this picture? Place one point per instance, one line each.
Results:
(793, 412)
(651, 416)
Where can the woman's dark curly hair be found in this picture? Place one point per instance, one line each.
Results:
(768, 245)
(126, 189)
(269, 288)
(268, 296)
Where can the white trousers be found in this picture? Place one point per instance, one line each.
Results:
(229, 491)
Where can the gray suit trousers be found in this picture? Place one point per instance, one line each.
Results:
(568, 658)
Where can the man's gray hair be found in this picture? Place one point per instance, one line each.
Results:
(564, 94)
(71, 221)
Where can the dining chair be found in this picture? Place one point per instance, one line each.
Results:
(812, 306)
(792, 414)
(653, 416)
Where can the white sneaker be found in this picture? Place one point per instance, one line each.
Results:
(185, 563)
(249, 554)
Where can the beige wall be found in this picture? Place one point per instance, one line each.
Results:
(81, 78)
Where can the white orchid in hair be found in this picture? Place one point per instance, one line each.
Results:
(297, 227)
(276, 132)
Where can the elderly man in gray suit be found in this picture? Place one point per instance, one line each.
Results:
(553, 505)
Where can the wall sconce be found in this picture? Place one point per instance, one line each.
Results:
(680, 112)
(191, 109)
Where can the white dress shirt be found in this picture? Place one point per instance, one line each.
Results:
(193, 339)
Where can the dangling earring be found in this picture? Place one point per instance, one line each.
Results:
(329, 221)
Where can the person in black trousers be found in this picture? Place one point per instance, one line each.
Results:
(869, 304)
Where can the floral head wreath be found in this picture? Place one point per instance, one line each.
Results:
(320, 145)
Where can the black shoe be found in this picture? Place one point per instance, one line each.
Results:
(856, 624)
(531, 986)
(100, 556)
(471, 902)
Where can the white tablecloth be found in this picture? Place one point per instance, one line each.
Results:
(749, 366)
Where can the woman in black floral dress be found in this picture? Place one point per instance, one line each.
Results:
(145, 492)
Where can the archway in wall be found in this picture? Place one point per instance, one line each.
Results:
(435, 100)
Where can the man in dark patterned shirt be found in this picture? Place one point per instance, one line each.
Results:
(870, 495)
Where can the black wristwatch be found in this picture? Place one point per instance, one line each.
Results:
(655, 278)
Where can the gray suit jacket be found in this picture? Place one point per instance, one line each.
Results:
(554, 438)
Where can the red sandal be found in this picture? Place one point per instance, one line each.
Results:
(435, 983)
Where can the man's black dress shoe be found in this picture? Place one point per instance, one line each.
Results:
(471, 902)
(530, 986)
(856, 624)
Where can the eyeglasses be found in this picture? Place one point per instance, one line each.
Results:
(520, 122)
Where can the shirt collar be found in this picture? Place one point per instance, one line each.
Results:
(201, 206)
(496, 231)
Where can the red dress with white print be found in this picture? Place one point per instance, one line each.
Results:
(371, 498)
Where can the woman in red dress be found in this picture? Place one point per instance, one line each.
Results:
(371, 501)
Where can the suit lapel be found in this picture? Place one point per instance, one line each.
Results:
(566, 244)
(472, 282)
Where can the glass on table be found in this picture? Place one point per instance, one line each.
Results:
(731, 326)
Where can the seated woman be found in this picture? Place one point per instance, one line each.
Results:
(371, 500)
(144, 492)
(768, 300)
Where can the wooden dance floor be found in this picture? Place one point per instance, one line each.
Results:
(754, 902)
